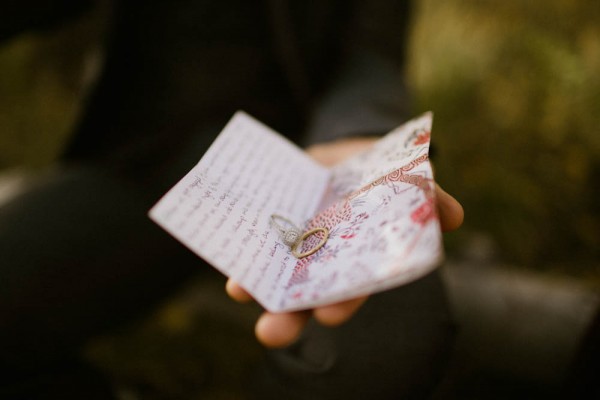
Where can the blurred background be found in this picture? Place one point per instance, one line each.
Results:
(515, 89)
(516, 94)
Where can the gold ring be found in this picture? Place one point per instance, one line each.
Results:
(304, 236)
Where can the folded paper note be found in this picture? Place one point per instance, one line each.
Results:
(378, 208)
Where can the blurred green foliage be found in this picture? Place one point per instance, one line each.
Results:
(516, 94)
(44, 77)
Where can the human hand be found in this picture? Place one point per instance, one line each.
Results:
(282, 329)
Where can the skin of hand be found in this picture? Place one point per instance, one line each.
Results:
(282, 329)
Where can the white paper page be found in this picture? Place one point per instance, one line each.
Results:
(399, 148)
(383, 225)
(221, 209)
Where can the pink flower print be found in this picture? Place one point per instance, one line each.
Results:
(424, 213)
(348, 233)
(422, 138)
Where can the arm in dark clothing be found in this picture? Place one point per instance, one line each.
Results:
(25, 15)
(368, 94)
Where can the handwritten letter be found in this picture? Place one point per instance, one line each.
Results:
(378, 207)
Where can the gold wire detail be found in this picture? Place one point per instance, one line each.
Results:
(306, 235)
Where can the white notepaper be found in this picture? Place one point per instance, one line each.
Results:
(379, 209)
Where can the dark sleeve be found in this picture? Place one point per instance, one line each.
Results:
(18, 16)
(367, 94)
(397, 346)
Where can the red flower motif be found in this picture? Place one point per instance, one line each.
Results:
(349, 234)
(297, 295)
(424, 213)
(422, 138)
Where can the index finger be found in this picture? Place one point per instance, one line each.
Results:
(450, 211)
